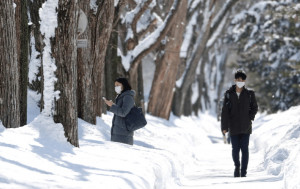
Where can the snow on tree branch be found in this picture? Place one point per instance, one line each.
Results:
(146, 45)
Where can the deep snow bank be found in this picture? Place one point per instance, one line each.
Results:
(38, 156)
(277, 136)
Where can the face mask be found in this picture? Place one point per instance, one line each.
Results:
(118, 89)
(240, 84)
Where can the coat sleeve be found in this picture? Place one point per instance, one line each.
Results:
(225, 114)
(122, 111)
(253, 106)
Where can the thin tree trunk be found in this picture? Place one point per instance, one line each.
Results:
(9, 70)
(65, 53)
(112, 64)
(22, 49)
(140, 88)
(103, 27)
(161, 95)
(86, 100)
(91, 60)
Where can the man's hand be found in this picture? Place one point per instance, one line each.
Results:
(224, 131)
(108, 102)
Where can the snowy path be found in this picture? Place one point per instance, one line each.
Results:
(214, 169)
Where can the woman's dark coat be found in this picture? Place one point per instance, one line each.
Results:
(123, 105)
(237, 113)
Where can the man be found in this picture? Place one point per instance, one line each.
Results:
(239, 108)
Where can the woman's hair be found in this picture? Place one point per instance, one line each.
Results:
(125, 83)
(240, 74)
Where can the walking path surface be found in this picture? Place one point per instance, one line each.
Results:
(214, 169)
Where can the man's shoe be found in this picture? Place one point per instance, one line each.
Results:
(243, 173)
(236, 172)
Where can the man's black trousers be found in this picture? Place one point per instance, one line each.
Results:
(239, 143)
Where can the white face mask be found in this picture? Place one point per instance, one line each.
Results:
(240, 84)
(118, 89)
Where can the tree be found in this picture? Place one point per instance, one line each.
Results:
(22, 49)
(9, 70)
(161, 96)
(91, 60)
(65, 54)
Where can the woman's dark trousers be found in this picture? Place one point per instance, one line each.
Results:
(239, 143)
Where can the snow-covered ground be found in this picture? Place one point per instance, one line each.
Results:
(186, 152)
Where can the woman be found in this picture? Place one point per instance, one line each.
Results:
(123, 105)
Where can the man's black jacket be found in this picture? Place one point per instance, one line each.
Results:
(237, 113)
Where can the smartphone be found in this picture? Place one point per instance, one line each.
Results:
(103, 98)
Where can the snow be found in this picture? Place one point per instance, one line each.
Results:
(195, 92)
(48, 16)
(257, 7)
(148, 75)
(116, 2)
(185, 152)
(94, 6)
(295, 57)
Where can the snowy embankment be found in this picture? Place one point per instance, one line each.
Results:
(38, 156)
(277, 137)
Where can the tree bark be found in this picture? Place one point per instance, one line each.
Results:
(86, 86)
(162, 91)
(22, 49)
(92, 60)
(113, 64)
(9, 70)
(103, 27)
(65, 53)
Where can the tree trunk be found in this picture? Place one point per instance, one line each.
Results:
(136, 82)
(104, 22)
(9, 70)
(162, 91)
(22, 49)
(113, 66)
(140, 88)
(65, 53)
(86, 86)
(92, 60)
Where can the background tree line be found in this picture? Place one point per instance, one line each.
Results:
(191, 43)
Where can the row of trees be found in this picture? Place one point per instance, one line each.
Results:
(187, 40)
(72, 81)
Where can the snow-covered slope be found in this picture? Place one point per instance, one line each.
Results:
(186, 152)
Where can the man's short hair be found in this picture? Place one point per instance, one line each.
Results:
(240, 74)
